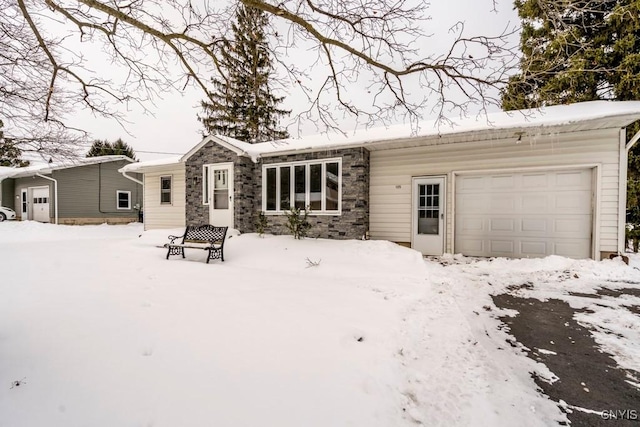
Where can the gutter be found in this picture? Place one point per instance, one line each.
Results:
(131, 178)
(55, 192)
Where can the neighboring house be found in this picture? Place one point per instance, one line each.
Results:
(518, 184)
(164, 192)
(82, 191)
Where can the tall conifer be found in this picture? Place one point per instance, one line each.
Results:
(242, 104)
(579, 50)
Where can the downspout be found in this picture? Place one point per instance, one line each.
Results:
(622, 207)
(55, 194)
(633, 141)
(142, 184)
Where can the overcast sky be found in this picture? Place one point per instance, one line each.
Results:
(174, 127)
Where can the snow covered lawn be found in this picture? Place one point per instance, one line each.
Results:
(98, 329)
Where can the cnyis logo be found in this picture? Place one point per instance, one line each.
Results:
(620, 414)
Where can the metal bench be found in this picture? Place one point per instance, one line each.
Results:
(206, 237)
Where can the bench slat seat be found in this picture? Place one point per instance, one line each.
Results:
(206, 237)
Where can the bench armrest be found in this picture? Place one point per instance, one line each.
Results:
(173, 239)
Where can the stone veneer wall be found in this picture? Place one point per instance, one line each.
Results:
(243, 191)
(354, 221)
(352, 224)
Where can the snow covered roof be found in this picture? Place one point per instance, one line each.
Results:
(559, 118)
(47, 168)
(142, 166)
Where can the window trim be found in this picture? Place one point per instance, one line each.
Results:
(128, 193)
(170, 202)
(306, 163)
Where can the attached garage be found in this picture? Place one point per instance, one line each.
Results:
(525, 214)
(521, 184)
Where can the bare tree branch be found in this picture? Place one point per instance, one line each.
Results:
(48, 65)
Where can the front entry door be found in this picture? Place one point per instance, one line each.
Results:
(221, 194)
(428, 215)
(24, 205)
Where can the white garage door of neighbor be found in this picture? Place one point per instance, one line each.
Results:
(40, 198)
(530, 214)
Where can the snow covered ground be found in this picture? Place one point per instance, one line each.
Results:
(98, 329)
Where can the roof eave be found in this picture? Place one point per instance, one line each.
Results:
(216, 140)
(516, 131)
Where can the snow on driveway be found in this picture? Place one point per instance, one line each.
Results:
(98, 329)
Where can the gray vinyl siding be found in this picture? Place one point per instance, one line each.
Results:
(90, 191)
(7, 197)
(392, 172)
(86, 191)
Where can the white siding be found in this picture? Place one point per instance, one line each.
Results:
(157, 215)
(392, 170)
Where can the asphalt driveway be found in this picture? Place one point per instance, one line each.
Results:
(592, 388)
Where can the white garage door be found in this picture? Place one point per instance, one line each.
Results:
(40, 206)
(532, 214)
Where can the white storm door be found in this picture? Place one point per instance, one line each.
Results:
(40, 198)
(24, 205)
(221, 195)
(428, 215)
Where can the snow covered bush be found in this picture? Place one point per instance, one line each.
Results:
(297, 222)
(261, 224)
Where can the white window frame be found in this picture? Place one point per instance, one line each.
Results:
(205, 184)
(170, 202)
(128, 193)
(306, 163)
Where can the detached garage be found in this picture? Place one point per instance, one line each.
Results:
(521, 184)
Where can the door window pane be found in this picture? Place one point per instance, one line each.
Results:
(315, 187)
(285, 188)
(300, 187)
(271, 189)
(331, 190)
(220, 189)
(428, 208)
(205, 185)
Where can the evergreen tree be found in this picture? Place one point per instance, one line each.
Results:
(106, 148)
(242, 104)
(10, 153)
(579, 50)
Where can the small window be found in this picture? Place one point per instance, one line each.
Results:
(123, 199)
(165, 190)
